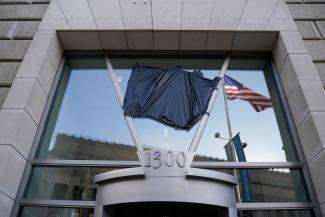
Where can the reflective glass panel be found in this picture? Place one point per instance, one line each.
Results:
(86, 121)
(63, 183)
(276, 213)
(270, 185)
(55, 212)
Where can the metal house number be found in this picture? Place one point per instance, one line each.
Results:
(156, 159)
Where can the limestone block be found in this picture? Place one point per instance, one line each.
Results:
(218, 40)
(38, 65)
(26, 29)
(196, 15)
(80, 40)
(107, 14)
(281, 18)
(5, 27)
(22, 11)
(297, 67)
(256, 14)
(47, 41)
(293, 1)
(53, 18)
(27, 93)
(11, 170)
(78, 14)
(166, 15)
(140, 40)
(6, 204)
(321, 71)
(307, 11)
(113, 40)
(314, 1)
(288, 42)
(316, 168)
(227, 14)
(321, 27)
(307, 30)
(252, 41)
(305, 97)
(316, 49)
(13, 49)
(136, 14)
(193, 40)
(166, 40)
(312, 134)
(8, 72)
(3, 94)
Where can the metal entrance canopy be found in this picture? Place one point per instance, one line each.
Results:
(169, 180)
(165, 176)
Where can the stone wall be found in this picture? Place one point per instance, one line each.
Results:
(309, 16)
(19, 20)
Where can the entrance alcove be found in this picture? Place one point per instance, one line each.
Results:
(165, 190)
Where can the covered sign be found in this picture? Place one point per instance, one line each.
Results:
(174, 97)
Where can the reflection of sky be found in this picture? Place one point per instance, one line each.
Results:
(90, 109)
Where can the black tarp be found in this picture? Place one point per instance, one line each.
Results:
(174, 97)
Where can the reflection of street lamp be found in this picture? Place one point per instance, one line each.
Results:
(217, 135)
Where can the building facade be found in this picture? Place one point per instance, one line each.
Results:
(44, 43)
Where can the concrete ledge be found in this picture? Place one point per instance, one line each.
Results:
(177, 40)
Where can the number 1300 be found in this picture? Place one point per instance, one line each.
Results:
(156, 159)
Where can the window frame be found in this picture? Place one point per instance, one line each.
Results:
(64, 66)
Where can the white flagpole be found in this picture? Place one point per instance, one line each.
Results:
(233, 150)
(204, 120)
(120, 97)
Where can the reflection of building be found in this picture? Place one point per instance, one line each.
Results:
(267, 185)
(71, 147)
(290, 32)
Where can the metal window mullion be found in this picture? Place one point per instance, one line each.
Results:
(240, 206)
(28, 167)
(196, 164)
(120, 97)
(57, 203)
(248, 165)
(295, 137)
(200, 129)
(275, 206)
(84, 163)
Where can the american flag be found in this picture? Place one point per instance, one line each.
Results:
(236, 90)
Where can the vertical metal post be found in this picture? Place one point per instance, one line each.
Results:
(233, 150)
(120, 97)
(198, 134)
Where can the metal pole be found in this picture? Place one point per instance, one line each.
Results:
(120, 97)
(233, 150)
(198, 134)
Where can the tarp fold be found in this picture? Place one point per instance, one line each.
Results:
(173, 97)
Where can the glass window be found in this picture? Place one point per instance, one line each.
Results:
(86, 121)
(270, 185)
(276, 213)
(55, 212)
(63, 183)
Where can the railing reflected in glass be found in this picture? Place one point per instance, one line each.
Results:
(86, 122)
(276, 213)
(63, 183)
(29, 211)
(256, 185)
(270, 185)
